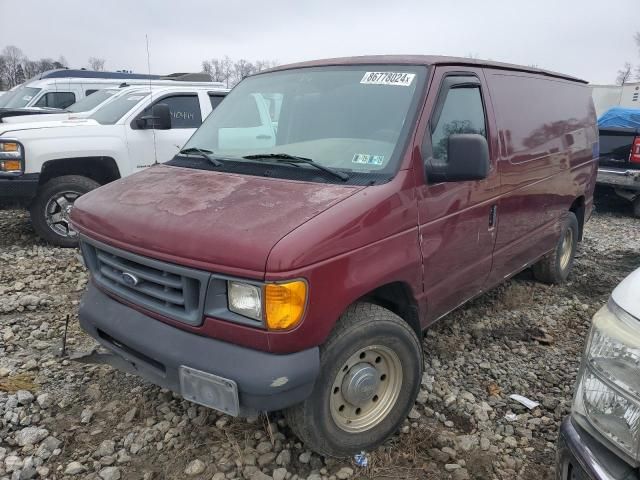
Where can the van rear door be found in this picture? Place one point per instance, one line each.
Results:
(457, 221)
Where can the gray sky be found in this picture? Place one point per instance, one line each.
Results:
(586, 38)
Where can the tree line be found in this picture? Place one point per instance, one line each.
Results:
(628, 72)
(16, 67)
(230, 72)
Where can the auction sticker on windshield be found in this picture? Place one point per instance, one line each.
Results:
(401, 79)
(366, 159)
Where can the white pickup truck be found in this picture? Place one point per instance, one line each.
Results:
(47, 165)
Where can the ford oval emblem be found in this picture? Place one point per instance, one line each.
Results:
(129, 279)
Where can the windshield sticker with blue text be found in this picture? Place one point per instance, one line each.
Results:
(366, 159)
(401, 79)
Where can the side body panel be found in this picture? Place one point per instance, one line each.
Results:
(547, 142)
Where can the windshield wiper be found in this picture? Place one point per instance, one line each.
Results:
(203, 153)
(286, 158)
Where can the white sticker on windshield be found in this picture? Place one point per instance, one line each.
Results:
(27, 97)
(401, 79)
(366, 159)
(135, 97)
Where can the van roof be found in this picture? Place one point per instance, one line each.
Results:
(424, 60)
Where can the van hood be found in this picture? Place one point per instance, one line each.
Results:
(211, 220)
(8, 128)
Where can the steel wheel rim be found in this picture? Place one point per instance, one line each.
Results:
(57, 212)
(566, 248)
(358, 401)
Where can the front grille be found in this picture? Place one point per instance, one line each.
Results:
(170, 290)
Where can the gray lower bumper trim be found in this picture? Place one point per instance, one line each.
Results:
(580, 456)
(155, 351)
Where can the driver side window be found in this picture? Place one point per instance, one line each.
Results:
(184, 110)
(462, 112)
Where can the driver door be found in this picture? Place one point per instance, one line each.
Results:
(457, 219)
(148, 145)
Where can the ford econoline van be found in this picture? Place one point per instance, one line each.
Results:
(321, 218)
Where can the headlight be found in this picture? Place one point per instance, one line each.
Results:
(245, 299)
(280, 306)
(608, 393)
(11, 156)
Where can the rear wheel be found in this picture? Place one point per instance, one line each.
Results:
(556, 266)
(52, 206)
(636, 206)
(370, 372)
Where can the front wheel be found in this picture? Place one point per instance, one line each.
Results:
(52, 206)
(370, 373)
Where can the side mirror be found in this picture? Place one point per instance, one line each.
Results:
(467, 159)
(160, 118)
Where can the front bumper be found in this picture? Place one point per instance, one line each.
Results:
(156, 351)
(20, 189)
(619, 178)
(581, 457)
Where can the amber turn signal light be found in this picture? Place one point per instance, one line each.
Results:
(10, 165)
(285, 304)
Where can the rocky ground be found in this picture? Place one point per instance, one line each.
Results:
(62, 419)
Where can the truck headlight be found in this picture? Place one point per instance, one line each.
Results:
(280, 306)
(11, 157)
(245, 299)
(608, 393)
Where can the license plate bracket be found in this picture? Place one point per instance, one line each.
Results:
(209, 390)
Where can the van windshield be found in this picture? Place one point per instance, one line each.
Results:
(111, 112)
(21, 97)
(92, 101)
(352, 119)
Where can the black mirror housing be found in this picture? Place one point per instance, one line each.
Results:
(160, 118)
(467, 159)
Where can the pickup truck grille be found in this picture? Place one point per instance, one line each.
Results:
(167, 289)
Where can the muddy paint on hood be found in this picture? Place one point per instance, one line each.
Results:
(211, 218)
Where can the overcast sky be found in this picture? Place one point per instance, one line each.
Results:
(590, 39)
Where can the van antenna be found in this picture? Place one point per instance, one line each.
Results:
(153, 129)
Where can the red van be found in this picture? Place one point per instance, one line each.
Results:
(325, 214)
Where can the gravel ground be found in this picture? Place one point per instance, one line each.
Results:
(63, 419)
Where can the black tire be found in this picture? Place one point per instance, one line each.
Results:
(550, 268)
(68, 187)
(361, 326)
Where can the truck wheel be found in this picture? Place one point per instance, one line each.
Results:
(556, 266)
(51, 208)
(370, 373)
(636, 206)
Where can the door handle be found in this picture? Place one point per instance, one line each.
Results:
(263, 137)
(493, 216)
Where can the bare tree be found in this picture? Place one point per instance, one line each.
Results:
(3, 66)
(260, 65)
(226, 66)
(13, 71)
(624, 74)
(242, 69)
(96, 64)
